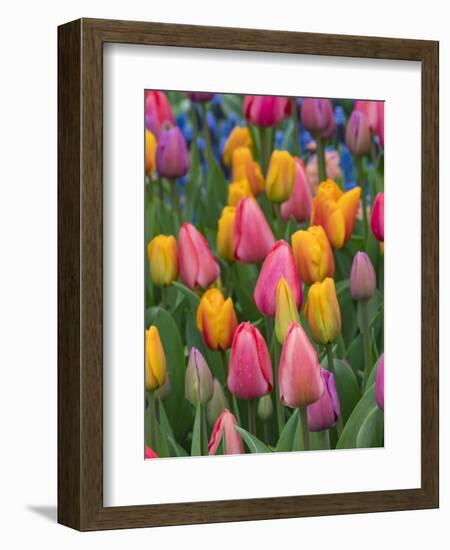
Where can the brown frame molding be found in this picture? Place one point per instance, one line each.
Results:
(80, 265)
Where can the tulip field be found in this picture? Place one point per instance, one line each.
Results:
(264, 274)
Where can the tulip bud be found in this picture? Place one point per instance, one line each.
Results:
(149, 453)
(313, 254)
(244, 167)
(198, 267)
(323, 414)
(322, 312)
(157, 111)
(198, 382)
(250, 368)
(280, 176)
(216, 319)
(200, 97)
(239, 137)
(286, 310)
(237, 191)
(172, 155)
(298, 205)
(226, 426)
(217, 403)
(278, 264)
(225, 233)
(162, 257)
(377, 219)
(357, 134)
(265, 407)
(299, 375)
(265, 110)
(253, 238)
(363, 281)
(155, 360)
(317, 114)
(379, 383)
(150, 153)
(335, 211)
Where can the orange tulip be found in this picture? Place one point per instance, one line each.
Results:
(243, 166)
(239, 137)
(225, 233)
(237, 190)
(155, 360)
(216, 319)
(150, 153)
(313, 254)
(162, 257)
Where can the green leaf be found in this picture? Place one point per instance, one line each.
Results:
(360, 412)
(371, 433)
(175, 448)
(194, 340)
(347, 387)
(374, 305)
(196, 447)
(355, 354)
(194, 185)
(192, 298)
(289, 438)
(348, 313)
(245, 276)
(253, 443)
(216, 194)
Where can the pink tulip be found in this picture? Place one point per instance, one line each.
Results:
(357, 134)
(324, 413)
(333, 169)
(265, 110)
(279, 263)
(299, 203)
(250, 369)
(317, 115)
(371, 110)
(253, 238)
(379, 383)
(157, 111)
(149, 453)
(299, 375)
(377, 219)
(226, 425)
(197, 265)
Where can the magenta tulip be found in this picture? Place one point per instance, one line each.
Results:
(200, 97)
(226, 426)
(265, 110)
(298, 206)
(317, 115)
(279, 263)
(357, 134)
(253, 238)
(379, 383)
(172, 155)
(157, 111)
(197, 265)
(363, 281)
(299, 376)
(377, 219)
(250, 369)
(323, 414)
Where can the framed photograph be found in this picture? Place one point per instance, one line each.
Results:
(231, 277)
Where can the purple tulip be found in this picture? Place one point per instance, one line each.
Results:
(324, 413)
(317, 116)
(200, 97)
(357, 134)
(363, 281)
(172, 155)
(379, 383)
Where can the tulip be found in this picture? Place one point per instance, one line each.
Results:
(286, 310)
(172, 155)
(265, 407)
(226, 426)
(299, 375)
(335, 211)
(157, 111)
(298, 206)
(155, 360)
(237, 190)
(332, 169)
(198, 381)
(371, 110)
(225, 233)
(198, 266)
(357, 134)
(281, 176)
(162, 257)
(217, 403)
(313, 254)
(322, 312)
(239, 137)
(250, 367)
(149, 453)
(279, 263)
(377, 219)
(244, 167)
(379, 383)
(253, 238)
(323, 414)
(363, 281)
(150, 153)
(266, 110)
(200, 97)
(317, 115)
(216, 319)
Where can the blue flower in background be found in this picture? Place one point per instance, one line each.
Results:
(348, 168)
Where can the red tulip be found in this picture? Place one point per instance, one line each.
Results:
(253, 238)
(157, 111)
(265, 110)
(149, 453)
(250, 369)
(377, 219)
(226, 425)
(279, 263)
(299, 203)
(197, 265)
(317, 115)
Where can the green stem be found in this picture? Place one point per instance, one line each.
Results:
(252, 416)
(209, 153)
(339, 425)
(361, 182)
(294, 113)
(305, 433)
(366, 340)
(164, 297)
(152, 405)
(278, 404)
(230, 396)
(279, 220)
(324, 439)
(265, 135)
(204, 430)
(175, 204)
(161, 192)
(321, 163)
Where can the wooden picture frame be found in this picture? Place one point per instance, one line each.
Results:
(80, 272)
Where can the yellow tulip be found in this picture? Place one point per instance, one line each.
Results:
(162, 256)
(280, 176)
(239, 137)
(237, 190)
(155, 360)
(286, 310)
(313, 254)
(225, 233)
(322, 312)
(244, 166)
(216, 319)
(150, 153)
